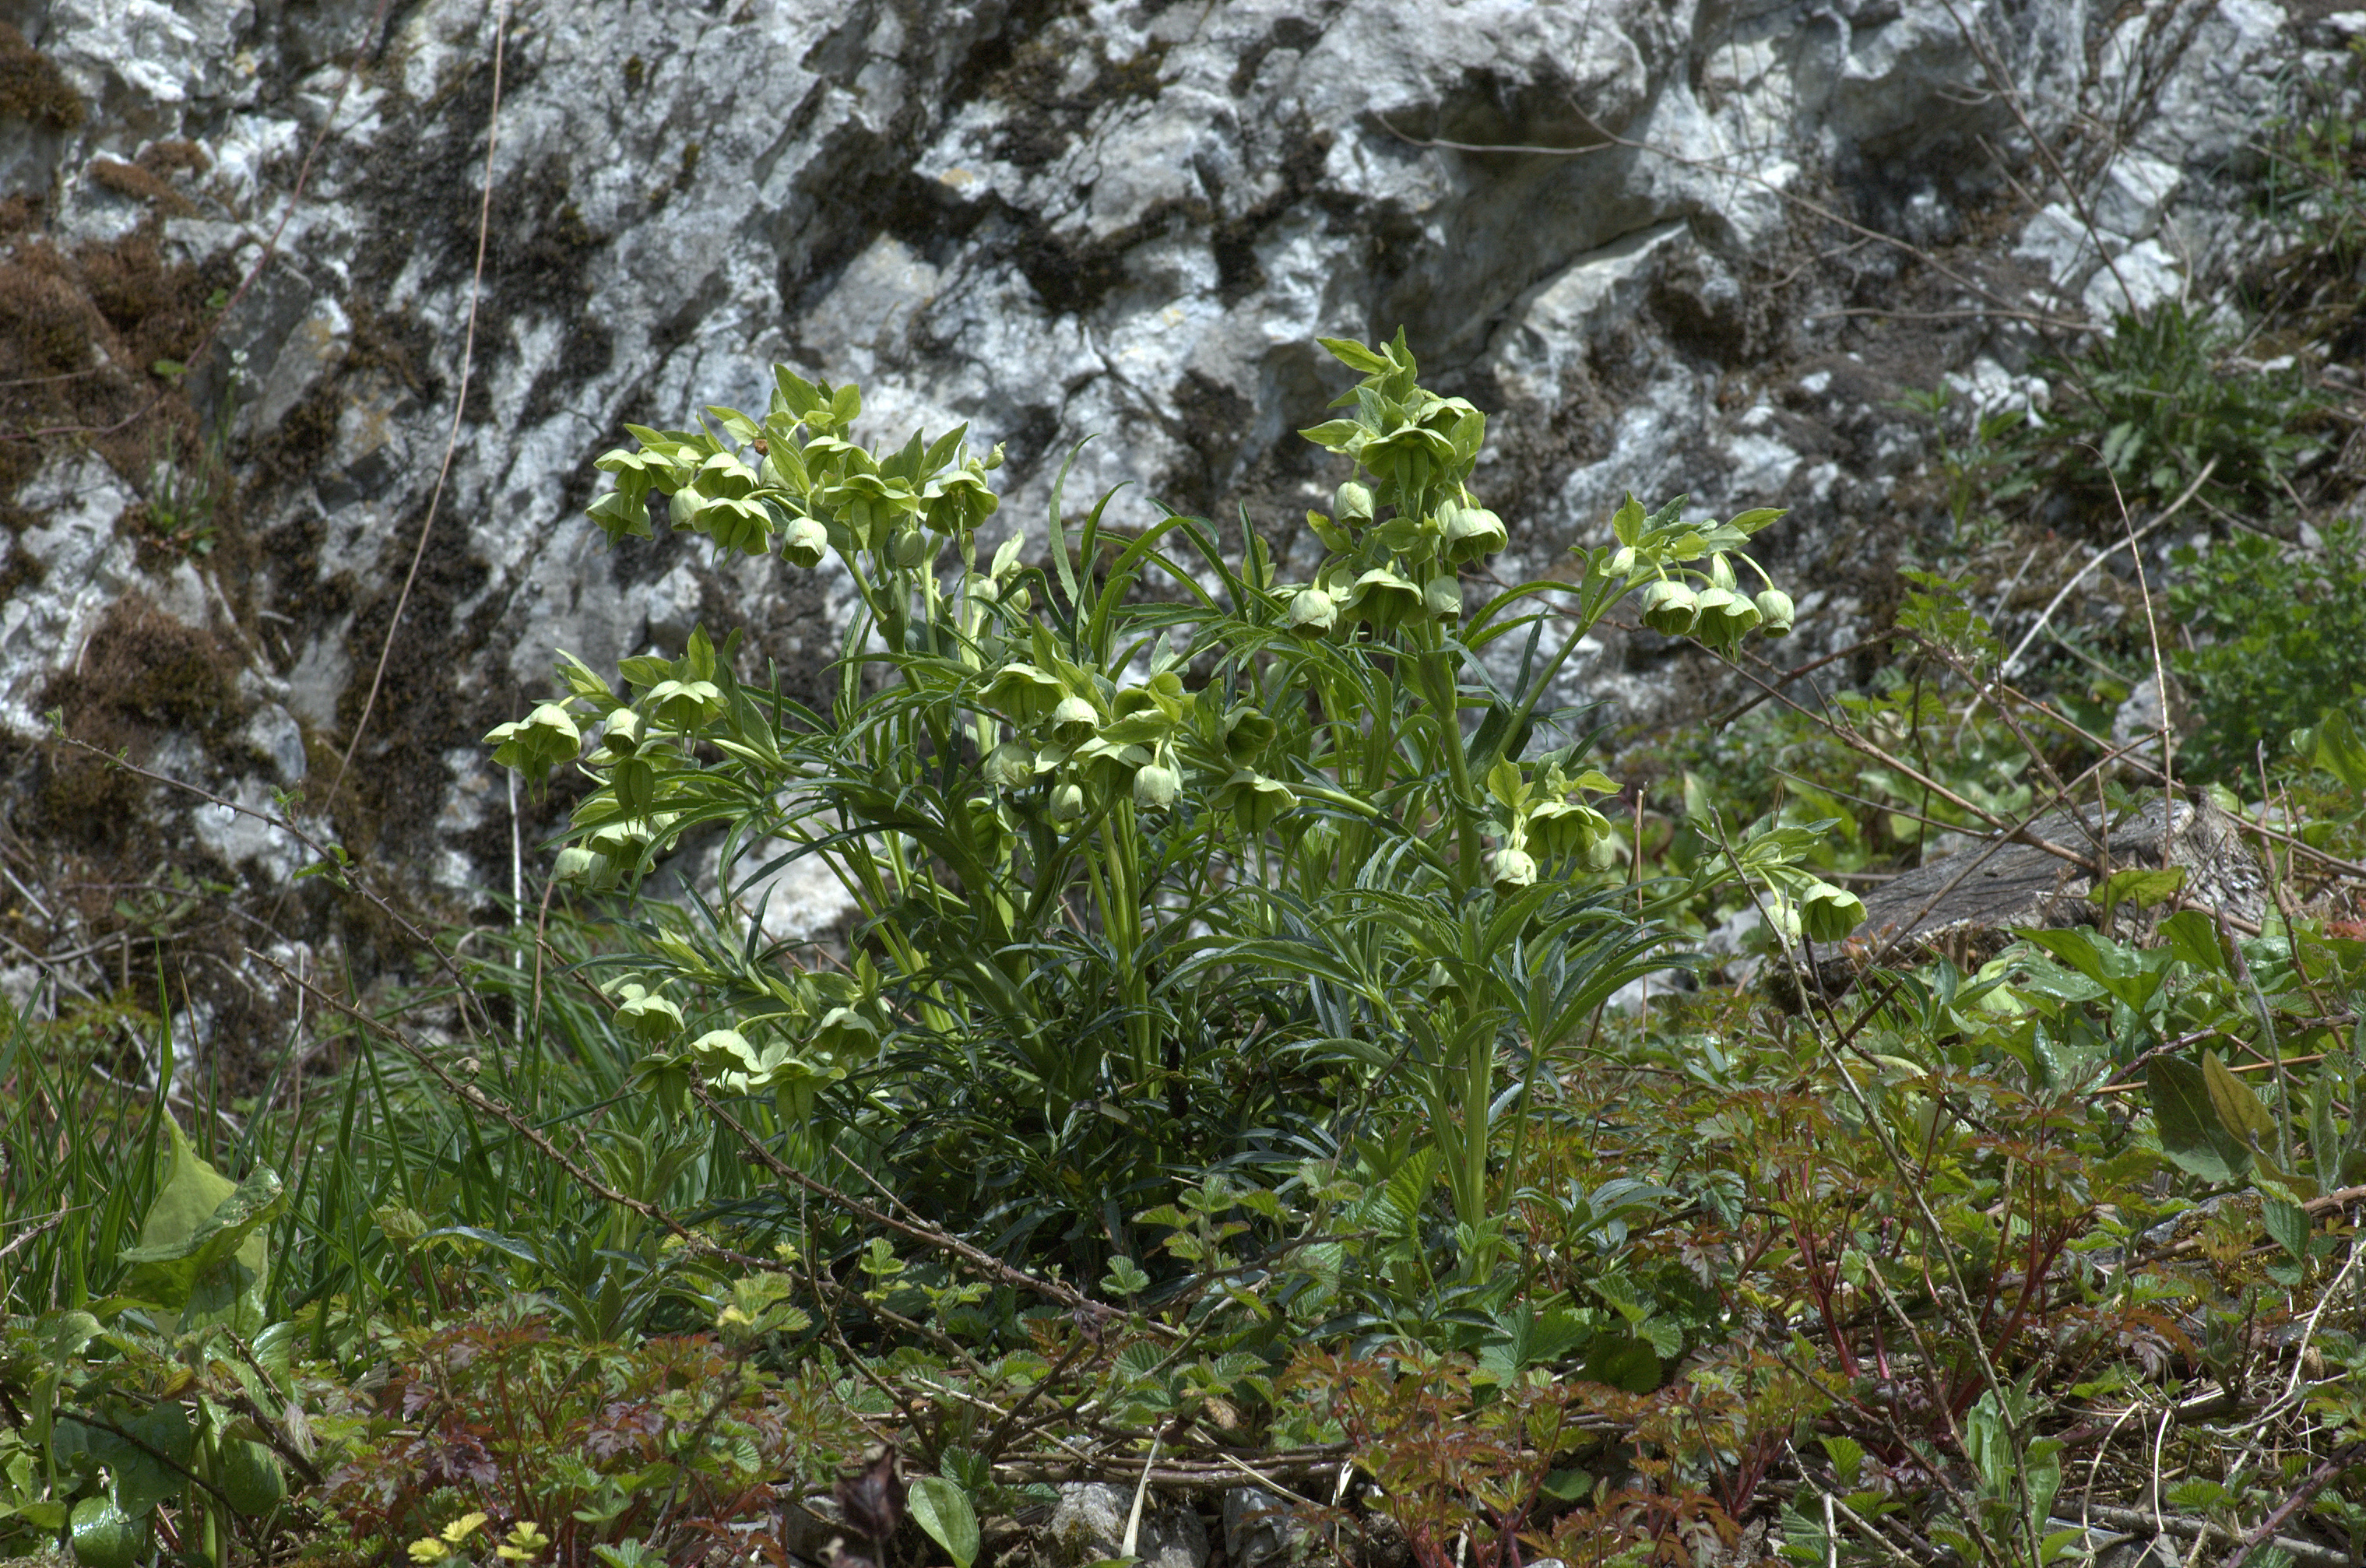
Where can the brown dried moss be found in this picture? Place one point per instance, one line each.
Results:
(32, 87)
(140, 675)
(139, 185)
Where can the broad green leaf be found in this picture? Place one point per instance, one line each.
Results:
(203, 1249)
(2105, 963)
(2240, 1110)
(2191, 1132)
(2324, 1136)
(2192, 936)
(2143, 886)
(106, 1535)
(1622, 1363)
(943, 1510)
(149, 1459)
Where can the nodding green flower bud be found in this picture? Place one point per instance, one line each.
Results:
(1074, 719)
(1473, 533)
(1511, 870)
(1311, 612)
(1828, 913)
(1724, 617)
(907, 547)
(1353, 503)
(1442, 596)
(1156, 787)
(1018, 599)
(804, 542)
(1622, 561)
(1067, 802)
(1670, 607)
(684, 509)
(622, 734)
(1720, 572)
(1776, 607)
(1010, 765)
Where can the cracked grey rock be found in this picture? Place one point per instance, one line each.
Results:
(1088, 1525)
(1127, 220)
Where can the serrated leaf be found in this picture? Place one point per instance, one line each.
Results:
(2289, 1223)
(1407, 1188)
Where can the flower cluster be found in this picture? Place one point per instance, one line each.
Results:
(1540, 815)
(524, 1544)
(1396, 551)
(1705, 600)
(808, 484)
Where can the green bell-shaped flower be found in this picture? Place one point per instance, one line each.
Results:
(683, 705)
(1828, 913)
(1253, 799)
(621, 735)
(1724, 617)
(585, 868)
(1023, 692)
(1473, 533)
(1382, 597)
(650, 1019)
(1670, 608)
(1010, 765)
(1776, 610)
(1566, 827)
(1074, 720)
(1442, 597)
(538, 742)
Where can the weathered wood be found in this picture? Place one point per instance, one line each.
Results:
(1965, 905)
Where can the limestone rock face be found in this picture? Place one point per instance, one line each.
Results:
(1612, 222)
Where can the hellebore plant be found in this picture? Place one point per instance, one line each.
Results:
(1146, 880)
